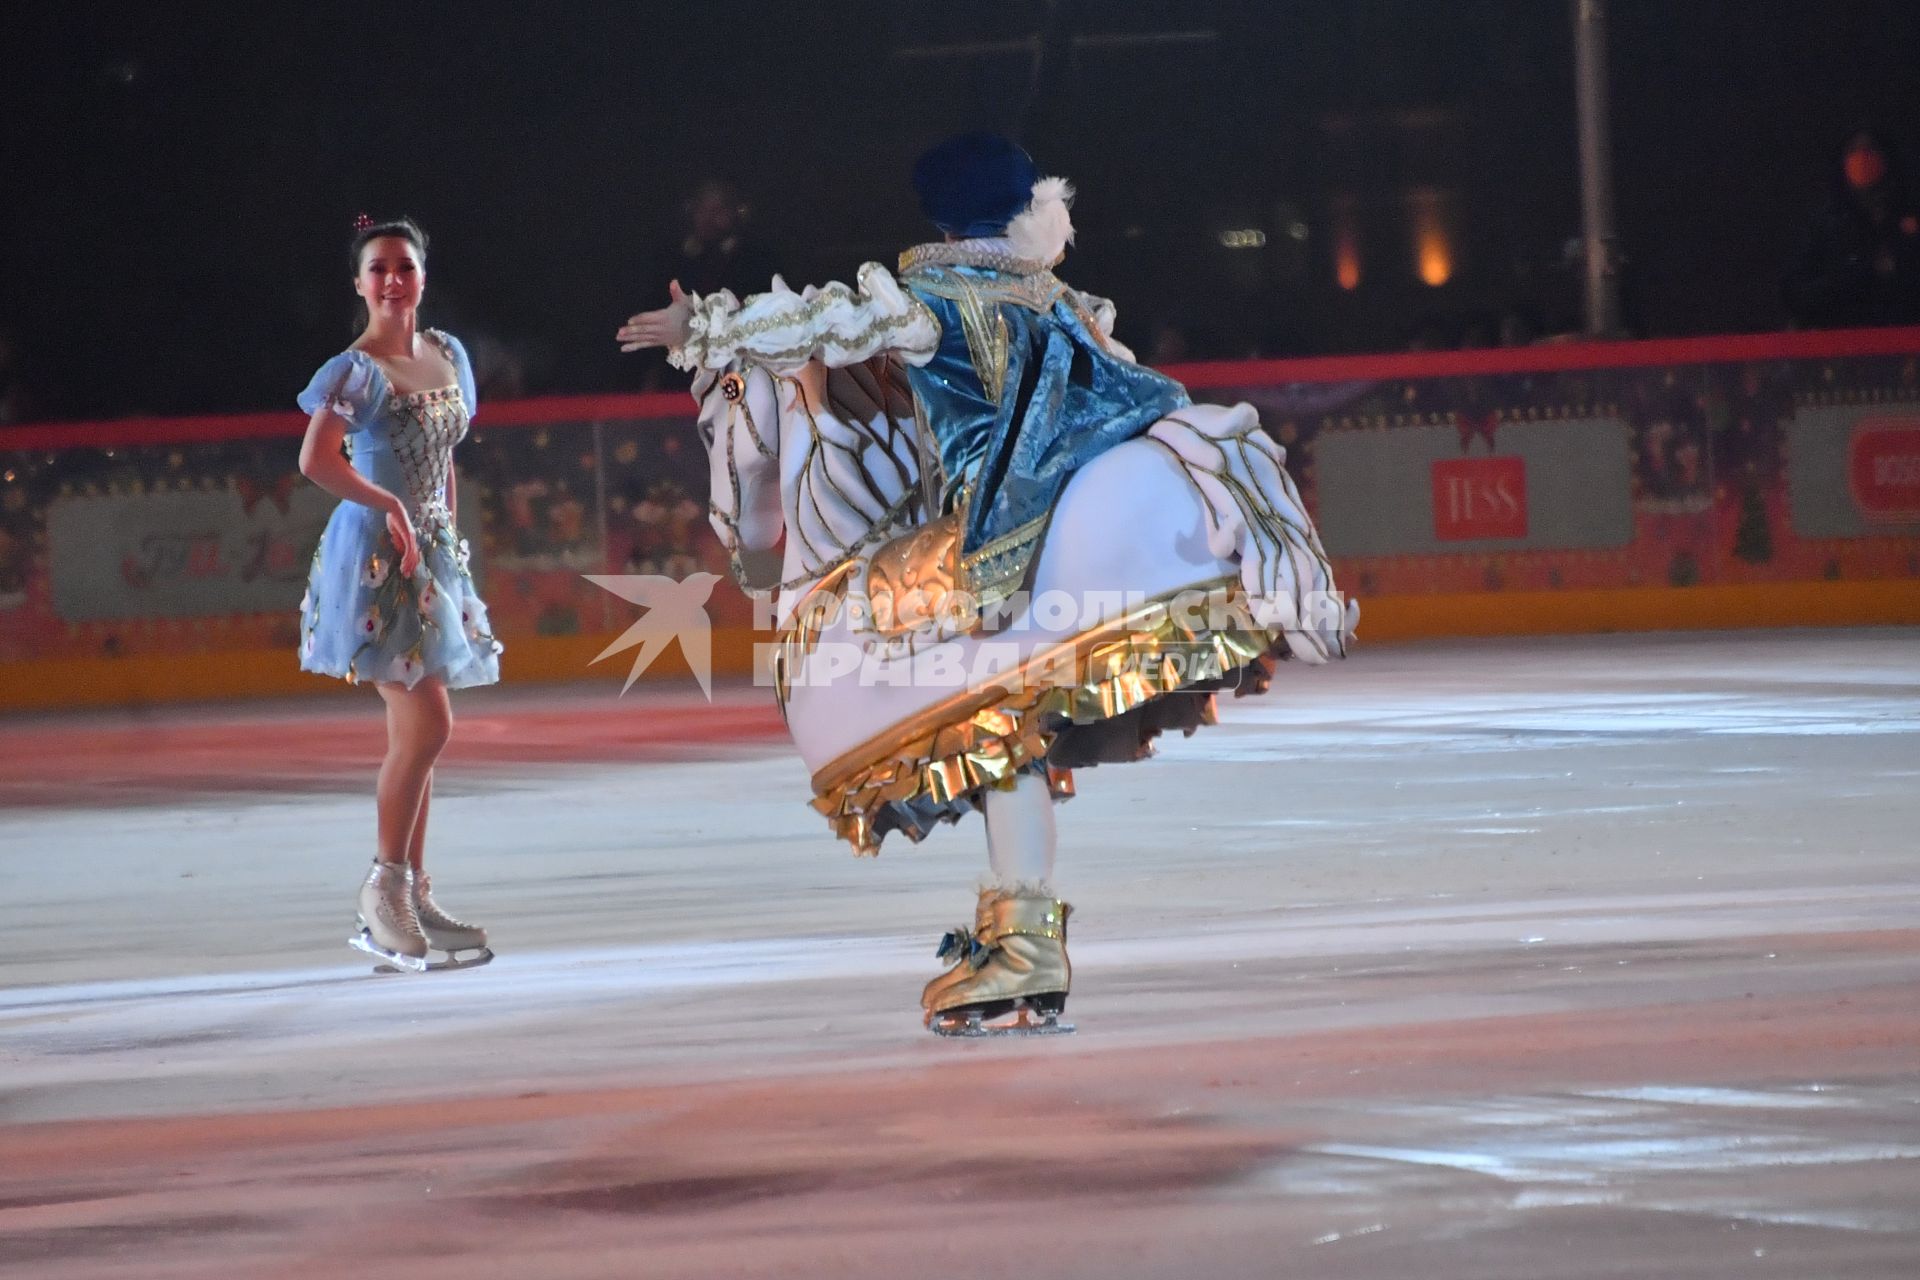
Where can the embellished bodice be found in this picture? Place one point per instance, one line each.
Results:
(422, 429)
(401, 440)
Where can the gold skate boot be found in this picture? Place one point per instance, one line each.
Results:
(962, 946)
(1010, 973)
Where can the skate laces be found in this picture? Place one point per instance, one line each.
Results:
(429, 911)
(396, 903)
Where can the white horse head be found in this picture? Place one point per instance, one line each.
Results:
(827, 460)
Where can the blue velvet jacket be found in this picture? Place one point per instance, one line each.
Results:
(1023, 391)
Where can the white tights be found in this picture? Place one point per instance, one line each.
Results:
(1020, 834)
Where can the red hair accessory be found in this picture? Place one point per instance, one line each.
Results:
(362, 222)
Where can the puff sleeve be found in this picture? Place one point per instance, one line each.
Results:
(344, 384)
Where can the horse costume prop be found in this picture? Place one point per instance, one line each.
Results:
(1007, 549)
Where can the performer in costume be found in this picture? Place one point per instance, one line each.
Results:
(389, 598)
(1046, 458)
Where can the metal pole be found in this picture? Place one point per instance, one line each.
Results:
(1596, 167)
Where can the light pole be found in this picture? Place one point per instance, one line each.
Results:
(1596, 168)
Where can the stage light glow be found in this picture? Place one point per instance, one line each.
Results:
(1436, 258)
(1433, 250)
(1346, 254)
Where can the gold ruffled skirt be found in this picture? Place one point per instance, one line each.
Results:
(1097, 698)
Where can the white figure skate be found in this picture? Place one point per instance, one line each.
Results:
(447, 934)
(389, 927)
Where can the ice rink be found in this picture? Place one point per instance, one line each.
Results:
(1571, 958)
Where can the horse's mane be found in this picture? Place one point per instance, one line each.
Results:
(854, 465)
(860, 392)
(877, 444)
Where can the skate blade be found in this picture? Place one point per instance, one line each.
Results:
(390, 961)
(454, 960)
(973, 1024)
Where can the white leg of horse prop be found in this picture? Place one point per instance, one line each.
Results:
(1255, 516)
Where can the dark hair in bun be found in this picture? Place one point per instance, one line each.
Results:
(366, 231)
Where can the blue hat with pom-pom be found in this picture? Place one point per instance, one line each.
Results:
(974, 184)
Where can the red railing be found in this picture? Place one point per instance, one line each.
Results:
(1558, 357)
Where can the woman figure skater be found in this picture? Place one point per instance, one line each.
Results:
(389, 598)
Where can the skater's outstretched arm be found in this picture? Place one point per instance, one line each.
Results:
(663, 327)
(781, 330)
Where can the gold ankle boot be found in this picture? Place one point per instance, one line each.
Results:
(962, 946)
(1012, 966)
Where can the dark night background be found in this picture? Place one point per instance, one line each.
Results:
(179, 179)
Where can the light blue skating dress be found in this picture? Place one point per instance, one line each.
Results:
(361, 620)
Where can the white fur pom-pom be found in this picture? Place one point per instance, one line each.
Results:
(1042, 231)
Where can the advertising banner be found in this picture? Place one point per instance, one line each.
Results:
(172, 555)
(1783, 458)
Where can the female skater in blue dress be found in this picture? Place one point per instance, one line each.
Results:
(389, 599)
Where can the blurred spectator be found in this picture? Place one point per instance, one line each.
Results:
(14, 403)
(1861, 265)
(526, 504)
(1170, 345)
(566, 521)
(1520, 326)
(1481, 330)
(1430, 333)
(18, 520)
(717, 252)
(499, 370)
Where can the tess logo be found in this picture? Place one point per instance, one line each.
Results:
(1479, 498)
(1883, 467)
